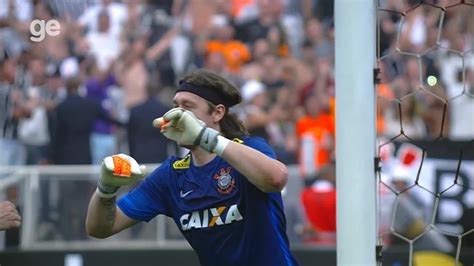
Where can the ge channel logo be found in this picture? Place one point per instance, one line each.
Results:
(39, 29)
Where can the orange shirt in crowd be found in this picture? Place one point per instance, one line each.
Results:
(235, 53)
(283, 50)
(324, 120)
(385, 93)
(316, 138)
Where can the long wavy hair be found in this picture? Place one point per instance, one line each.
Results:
(231, 126)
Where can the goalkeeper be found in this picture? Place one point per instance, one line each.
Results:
(224, 195)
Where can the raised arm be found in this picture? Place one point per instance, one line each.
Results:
(103, 217)
(182, 126)
(266, 173)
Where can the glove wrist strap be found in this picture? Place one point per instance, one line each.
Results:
(210, 140)
(105, 191)
(104, 195)
(222, 143)
(207, 139)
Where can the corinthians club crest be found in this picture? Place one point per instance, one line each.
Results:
(225, 182)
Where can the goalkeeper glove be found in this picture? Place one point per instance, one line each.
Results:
(185, 128)
(116, 171)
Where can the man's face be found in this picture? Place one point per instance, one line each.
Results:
(195, 104)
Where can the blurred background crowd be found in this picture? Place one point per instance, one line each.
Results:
(94, 89)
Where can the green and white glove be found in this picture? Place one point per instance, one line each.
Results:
(185, 128)
(116, 171)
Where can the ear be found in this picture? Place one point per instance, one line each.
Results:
(218, 113)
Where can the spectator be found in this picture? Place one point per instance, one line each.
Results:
(33, 131)
(73, 124)
(272, 71)
(316, 36)
(135, 26)
(268, 16)
(414, 31)
(388, 31)
(410, 220)
(321, 83)
(215, 61)
(412, 75)
(104, 44)
(435, 112)
(12, 109)
(114, 11)
(282, 130)
(278, 41)
(405, 115)
(254, 69)
(402, 179)
(292, 21)
(162, 31)
(15, 17)
(53, 49)
(319, 202)
(146, 143)
(222, 41)
(99, 88)
(132, 73)
(9, 217)
(315, 136)
(451, 75)
(72, 127)
(255, 117)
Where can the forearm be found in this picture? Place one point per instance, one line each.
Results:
(103, 217)
(100, 218)
(268, 174)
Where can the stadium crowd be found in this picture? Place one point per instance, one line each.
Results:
(93, 90)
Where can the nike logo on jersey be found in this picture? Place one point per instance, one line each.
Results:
(182, 195)
(210, 217)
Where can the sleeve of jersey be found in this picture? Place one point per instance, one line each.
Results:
(148, 199)
(261, 145)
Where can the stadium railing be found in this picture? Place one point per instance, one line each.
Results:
(53, 204)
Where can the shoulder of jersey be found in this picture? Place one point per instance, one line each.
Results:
(182, 163)
(185, 162)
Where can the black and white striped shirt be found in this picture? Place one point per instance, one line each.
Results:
(8, 125)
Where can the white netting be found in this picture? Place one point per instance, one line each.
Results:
(425, 98)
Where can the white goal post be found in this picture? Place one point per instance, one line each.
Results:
(355, 25)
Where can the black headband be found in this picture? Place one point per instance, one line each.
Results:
(209, 94)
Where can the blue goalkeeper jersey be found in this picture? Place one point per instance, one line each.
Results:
(225, 218)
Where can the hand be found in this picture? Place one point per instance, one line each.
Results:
(118, 170)
(185, 128)
(9, 217)
(181, 126)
